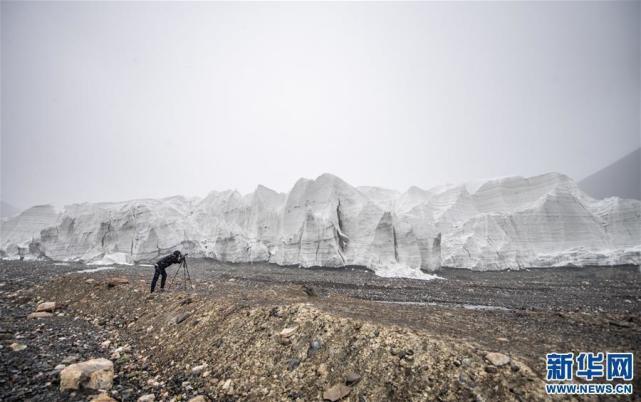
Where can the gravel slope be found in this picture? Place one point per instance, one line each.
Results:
(362, 324)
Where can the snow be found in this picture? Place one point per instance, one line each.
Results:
(492, 224)
(97, 269)
(112, 259)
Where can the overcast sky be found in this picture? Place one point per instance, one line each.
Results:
(113, 101)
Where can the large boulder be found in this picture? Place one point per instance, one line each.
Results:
(92, 374)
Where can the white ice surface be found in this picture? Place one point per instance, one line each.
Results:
(495, 224)
(97, 269)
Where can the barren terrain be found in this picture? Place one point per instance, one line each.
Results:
(264, 332)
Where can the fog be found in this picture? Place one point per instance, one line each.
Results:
(113, 101)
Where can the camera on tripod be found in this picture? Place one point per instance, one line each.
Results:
(184, 269)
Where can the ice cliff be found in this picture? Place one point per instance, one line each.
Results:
(507, 223)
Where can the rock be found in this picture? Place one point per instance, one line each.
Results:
(198, 398)
(46, 306)
(287, 332)
(293, 363)
(227, 384)
(123, 349)
(40, 314)
(102, 398)
(105, 344)
(70, 359)
(465, 379)
(153, 383)
(621, 324)
(92, 374)
(352, 378)
(336, 392)
(199, 369)
(322, 370)
(314, 346)
(309, 291)
(147, 398)
(59, 368)
(90, 281)
(17, 347)
(111, 282)
(491, 369)
(180, 318)
(497, 359)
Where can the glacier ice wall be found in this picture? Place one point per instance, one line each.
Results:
(507, 223)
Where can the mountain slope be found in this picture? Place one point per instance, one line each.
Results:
(619, 179)
(7, 210)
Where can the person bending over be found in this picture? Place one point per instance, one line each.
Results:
(159, 268)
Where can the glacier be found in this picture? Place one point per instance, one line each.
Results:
(496, 224)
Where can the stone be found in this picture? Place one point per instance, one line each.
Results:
(227, 384)
(153, 383)
(497, 359)
(180, 318)
(111, 282)
(309, 291)
(102, 398)
(491, 369)
(46, 306)
(352, 378)
(292, 364)
(199, 369)
(314, 346)
(70, 359)
(621, 324)
(17, 347)
(287, 332)
(147, 398)
(105, 344)
(123, 349)
(92, 374)
(198, 398)
(40, 314)
(322, 370)
(336, 392)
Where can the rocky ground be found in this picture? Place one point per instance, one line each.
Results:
(263, 332)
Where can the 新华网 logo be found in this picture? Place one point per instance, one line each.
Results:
(588, 366)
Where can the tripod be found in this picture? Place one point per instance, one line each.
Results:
(185, 275)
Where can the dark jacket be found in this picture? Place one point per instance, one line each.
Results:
(168, 260)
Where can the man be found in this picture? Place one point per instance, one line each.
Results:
(159, 268)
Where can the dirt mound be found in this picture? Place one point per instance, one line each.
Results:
(261, 346)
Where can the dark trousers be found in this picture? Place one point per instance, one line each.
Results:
(158, 272)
